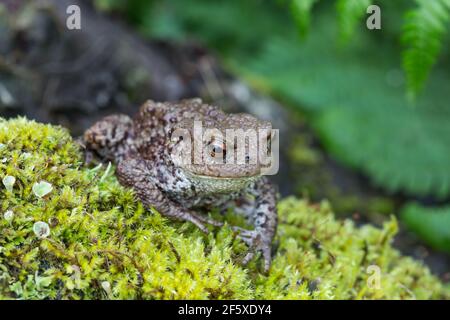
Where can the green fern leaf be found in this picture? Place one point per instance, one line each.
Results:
(407, 150)
(430, 224)
(353, 94)
(423, 34)
(350, 13)
(301, 11)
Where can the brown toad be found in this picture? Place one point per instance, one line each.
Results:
(151, 150)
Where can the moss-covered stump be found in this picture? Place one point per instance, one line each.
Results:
(71, 232)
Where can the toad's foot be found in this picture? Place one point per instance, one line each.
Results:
(208, 220)
(200, 220)
(257, 241)
(252, 238)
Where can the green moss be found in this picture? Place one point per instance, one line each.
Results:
(103, 244)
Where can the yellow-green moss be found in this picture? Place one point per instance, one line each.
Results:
(103, 244)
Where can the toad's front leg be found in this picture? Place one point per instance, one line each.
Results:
(133, 172)
(262, 213)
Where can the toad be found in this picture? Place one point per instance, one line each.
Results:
(153, 155)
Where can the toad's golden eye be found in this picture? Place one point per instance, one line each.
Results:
(217, 149)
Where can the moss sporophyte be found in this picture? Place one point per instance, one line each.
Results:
(88, 238)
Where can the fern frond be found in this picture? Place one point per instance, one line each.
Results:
(354, 95)
(350, 13)
(430, 224)
(423, 33)
(301, 11)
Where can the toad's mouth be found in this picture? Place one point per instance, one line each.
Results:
(202, 176)
(207, 184)
(221, 177)
(221, 171)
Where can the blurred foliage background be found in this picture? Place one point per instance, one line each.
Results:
(364, 114)
(377, 99)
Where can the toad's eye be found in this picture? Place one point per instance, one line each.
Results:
(217, 149)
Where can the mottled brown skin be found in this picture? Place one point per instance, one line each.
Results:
(142, 149)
